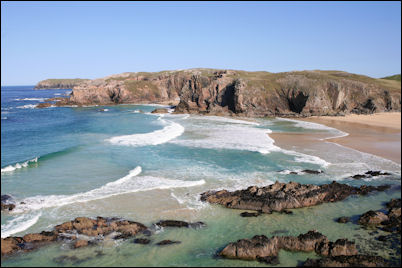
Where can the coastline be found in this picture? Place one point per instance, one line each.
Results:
(377, 134)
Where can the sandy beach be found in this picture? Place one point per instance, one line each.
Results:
(378, 134)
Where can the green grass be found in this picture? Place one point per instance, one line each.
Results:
(396, 77)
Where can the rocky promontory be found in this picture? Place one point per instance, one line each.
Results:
(59, 83)
(282, 196)
(255, 94)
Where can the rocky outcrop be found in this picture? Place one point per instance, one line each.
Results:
(83, 231)
(7, 202)
(257, 94)
(70, 230)
(389, 222)
(281, 196)
(264, 249)
(59, 83)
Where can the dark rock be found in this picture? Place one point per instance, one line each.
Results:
(377, 173)
(273, 260)
(142, 241)
(343, 219)
(179, 224)
(372, 218)
(260, 247)
(282, 196)
(250, 214)
(160, 111)
(309, 171)
(167, 242)
(347, 261)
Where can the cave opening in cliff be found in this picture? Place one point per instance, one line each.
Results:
(228, 98)
(297, 103)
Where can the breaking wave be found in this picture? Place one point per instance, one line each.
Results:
(11, 168)
(169, 132)
(128, 184)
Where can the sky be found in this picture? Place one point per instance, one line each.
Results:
(41, 40)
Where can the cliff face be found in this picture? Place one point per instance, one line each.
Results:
(59, 83)
(211, 91)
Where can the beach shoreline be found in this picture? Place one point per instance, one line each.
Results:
(377, 134)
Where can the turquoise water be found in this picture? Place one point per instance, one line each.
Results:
(123, 161)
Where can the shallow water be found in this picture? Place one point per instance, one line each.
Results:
(127, 162)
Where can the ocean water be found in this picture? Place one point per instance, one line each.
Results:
(66, 162)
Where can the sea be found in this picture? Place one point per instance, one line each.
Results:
(60, 163)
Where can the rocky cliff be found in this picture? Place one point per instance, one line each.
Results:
(59, 83)
(210, 91)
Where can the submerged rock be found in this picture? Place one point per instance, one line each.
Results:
(347, 261)
(174, 223)
(281, 196)
(167, 242)
(142, 241)
(343, 219)
(250, 214)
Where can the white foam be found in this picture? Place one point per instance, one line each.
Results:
(57, 94)
(169, 132)
(4, 118)
(19, 224)
(31, 99)
(11, 168)
(230, 120)
(237, 136)
(27, 106)
(128, 184)
(316, 126)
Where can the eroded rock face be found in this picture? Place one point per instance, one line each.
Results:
(281, 196)
(260, 247)
(224, 92)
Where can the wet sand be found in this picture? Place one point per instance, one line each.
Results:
(378, 134)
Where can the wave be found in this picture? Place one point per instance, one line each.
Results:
(28, 106)
(31, 99)
(316, 126)
(11, 168)
(128, 184)
(19, 224)
(239, 136)
(4, 118)
(229, 120)
(169, 132)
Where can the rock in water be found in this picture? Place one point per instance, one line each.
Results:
(267, 249)
(7, 202)
(281, 196)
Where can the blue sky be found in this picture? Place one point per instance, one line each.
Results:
(42, 40)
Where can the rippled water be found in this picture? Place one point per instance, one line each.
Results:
(124, 161)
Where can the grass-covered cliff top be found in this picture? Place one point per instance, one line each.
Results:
(60, 83)
(396, 77)
(265, 79)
